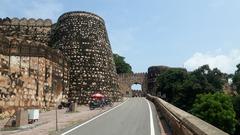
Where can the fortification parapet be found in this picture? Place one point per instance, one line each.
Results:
(80, 13)
(26, 22)
(32, 73)
(29, 29)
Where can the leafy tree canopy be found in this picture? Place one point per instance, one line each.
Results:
(182, 87)
(236, 105)
(236, 79)
(121, 65)
(210, 80)
(216, 109)
(170, 82)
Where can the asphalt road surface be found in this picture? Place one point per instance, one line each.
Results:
(133, 117)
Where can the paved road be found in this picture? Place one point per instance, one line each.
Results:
(130, 118)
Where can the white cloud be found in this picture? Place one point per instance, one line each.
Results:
(225, 62)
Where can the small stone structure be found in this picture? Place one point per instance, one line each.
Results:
(21, 117)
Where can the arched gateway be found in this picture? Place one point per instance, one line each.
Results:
(127, 80)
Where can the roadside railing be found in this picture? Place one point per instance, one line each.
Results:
(181, 122)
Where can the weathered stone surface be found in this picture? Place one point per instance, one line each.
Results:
(82, 37)
(153, 72)
(127, 80)
(35, 73)
(29, 69)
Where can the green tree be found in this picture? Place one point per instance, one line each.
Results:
(217, 79)
(121, 65)
(209, 80)
(216, 109)
(236, 79)
(202, 80)
(181, 87)
(236, 106)
(170, 83)
(190, 88)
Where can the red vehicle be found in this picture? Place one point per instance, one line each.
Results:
(99, 100)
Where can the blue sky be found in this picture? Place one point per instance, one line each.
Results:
(179, 33)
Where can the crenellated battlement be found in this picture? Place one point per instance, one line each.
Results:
(26, 22)
(132, 74)
(80, 13)
(30, 29)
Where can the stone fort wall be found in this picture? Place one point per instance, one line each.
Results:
(42, 63)
(32, 74)
(82, 37)
(125, 82)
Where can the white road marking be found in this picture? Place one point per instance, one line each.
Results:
(151, 119)
(93, 118)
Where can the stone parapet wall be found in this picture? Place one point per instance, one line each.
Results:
(181, 122)
(28, 29)
(80, 13)
(26, 22)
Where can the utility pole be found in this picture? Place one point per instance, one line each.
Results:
(56, 119)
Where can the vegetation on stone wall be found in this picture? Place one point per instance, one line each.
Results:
(121, 65)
